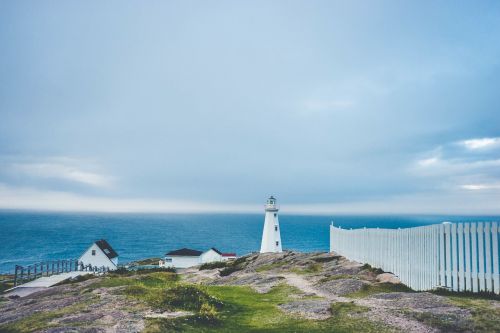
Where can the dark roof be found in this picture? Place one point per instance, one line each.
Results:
(184, 252)
(218, 252)
(106, 248)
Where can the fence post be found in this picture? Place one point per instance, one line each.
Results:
(480, 234)
(494, 241)
(461, 277)
(487, 246)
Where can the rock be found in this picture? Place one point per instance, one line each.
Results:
(388, 278)
(342, 286)
(310, 309)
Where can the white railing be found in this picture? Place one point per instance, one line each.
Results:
(457, 256)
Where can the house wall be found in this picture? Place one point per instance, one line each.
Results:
(210, 256)
(182, 261)
(99, 259)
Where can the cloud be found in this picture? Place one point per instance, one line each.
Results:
(428, 161)
(63, 168)
(430, 203)
(480, 144)
(478, 187)
(25, 198)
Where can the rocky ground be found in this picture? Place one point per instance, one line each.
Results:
(323, 286)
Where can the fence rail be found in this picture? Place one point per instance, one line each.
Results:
(23, 274)
(456, 256)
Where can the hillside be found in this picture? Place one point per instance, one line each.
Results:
(287, 292)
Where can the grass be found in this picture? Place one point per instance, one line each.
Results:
(213, 265)
(148, 261)
(485, 316)
(245, 310)
(41, 320)
(371, 289)
(326, 259)
(443, 322)
(6, 282)
(268, 267)
(79, 278)
(310, 269)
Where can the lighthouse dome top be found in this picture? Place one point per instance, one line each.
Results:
(271, 204)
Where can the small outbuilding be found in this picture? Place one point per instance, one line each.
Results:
(184, 258)
(100, 254)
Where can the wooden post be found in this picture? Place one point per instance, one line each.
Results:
(15, 276)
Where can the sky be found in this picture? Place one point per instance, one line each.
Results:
(355, 107)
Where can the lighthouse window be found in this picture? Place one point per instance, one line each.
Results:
(275, 228)
(275, 214)
(277, 243)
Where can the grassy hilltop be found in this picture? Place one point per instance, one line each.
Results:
(288, 292)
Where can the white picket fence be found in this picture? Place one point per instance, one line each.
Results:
(457, 256)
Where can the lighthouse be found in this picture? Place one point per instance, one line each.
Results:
(271, 240)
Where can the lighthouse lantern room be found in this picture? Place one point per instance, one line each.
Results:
(271, 239)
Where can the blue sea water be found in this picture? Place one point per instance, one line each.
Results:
(29, 237)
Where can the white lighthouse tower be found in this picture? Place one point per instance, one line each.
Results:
(271, 240)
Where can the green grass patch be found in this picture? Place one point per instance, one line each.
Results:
(371, 289)
(269, 267)
(245, 310)
(347, 308)
(443, 322)
(486, 317)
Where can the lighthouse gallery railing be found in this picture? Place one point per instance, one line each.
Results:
(456, 256)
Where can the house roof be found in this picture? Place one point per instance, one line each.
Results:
(106, 248)
(184, 252)
(228, 254)
(215, 250)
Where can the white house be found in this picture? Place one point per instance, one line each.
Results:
(271, 238)
(100, 254)
(211, 255)
(184, 258)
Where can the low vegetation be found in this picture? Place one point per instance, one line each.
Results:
(377, 288)
(6, 282)
(234, 266)
(148, 261)
(213, 265)
(158, 300)
(371, 269)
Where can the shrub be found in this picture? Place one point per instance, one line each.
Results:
(208, 314)
(213, 265)
(229, 270)
(153, 270)
(187, 297)
(372, 269)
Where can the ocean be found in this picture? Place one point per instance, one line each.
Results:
(30, 237)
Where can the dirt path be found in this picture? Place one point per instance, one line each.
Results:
(378, 311)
